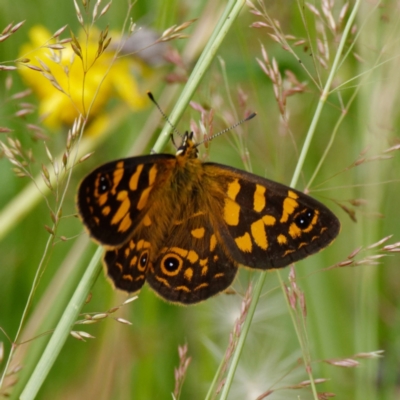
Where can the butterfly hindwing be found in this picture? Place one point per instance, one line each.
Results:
(113, 198)
(188, 266)
(191, 265)
(268, 225)
(127, 265)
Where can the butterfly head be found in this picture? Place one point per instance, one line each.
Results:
(188, 148)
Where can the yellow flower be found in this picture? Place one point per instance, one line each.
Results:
(69, 85)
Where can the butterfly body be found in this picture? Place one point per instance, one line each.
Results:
(185, 226)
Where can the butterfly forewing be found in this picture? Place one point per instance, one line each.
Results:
(113, 198)
(269, 225)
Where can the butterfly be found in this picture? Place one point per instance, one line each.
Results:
(185, 226)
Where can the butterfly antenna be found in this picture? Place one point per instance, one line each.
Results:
(164, 116)
(227, 129)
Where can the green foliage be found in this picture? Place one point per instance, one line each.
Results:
(340, 308)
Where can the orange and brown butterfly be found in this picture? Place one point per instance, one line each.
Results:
(185, 226)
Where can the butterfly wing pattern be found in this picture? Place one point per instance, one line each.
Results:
(193, 268)
(176, 271)
(111, 198)
(185, 226)
(270, 225)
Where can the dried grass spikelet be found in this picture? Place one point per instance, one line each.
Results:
(73, 78)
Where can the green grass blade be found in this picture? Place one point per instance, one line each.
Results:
(303, 154)
(70, 315)
(225, 22)
(63, 328)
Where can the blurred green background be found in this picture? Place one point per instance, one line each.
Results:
(349, 310)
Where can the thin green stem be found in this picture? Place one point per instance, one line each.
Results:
(332, 138)
(225, 22)
(27, 307)
(238, 139)
(77, 152)
(68, 319)
(352, 98)
(299, 166)
(360, 29)
(63, 328)
(243, 335)
(301, 7)
(324, 94)
(300, 337)
(213, 386)
(42, 265)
